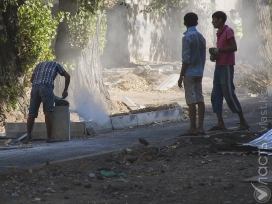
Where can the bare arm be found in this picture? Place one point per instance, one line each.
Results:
(182, 72)
(231, 48)
(32, 78)
(183, 69)
(67, 82)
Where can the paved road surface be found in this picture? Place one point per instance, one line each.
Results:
(119, 139)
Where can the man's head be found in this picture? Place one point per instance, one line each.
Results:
(190, 19)
(219, 19)
(232, 11)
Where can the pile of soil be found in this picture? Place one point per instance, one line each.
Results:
(188, 171)
(130, 82)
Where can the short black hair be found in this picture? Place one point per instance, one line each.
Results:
(190, 19)
(220, 14)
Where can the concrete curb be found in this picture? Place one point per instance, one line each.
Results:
(15, 130)
(125, 121)
(132, 120)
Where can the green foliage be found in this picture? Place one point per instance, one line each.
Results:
(9, 89)
(68, 66)
(161, 6)
(5, 3)
(4, 39)
(270, 11)
(83, 25)
(37, 28)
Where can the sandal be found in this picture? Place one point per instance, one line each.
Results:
(243, 126)
(189, 133)
(216, 127)
(52, 140)
(28, 139)
(202, 133)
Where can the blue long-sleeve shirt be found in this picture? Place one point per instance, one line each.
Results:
(193, 52)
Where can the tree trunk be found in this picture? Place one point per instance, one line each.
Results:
(87, 93)
(256, 41)
(10, 68)
(64, 51)
(8, 50)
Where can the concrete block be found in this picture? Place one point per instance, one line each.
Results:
(129, 103)
(157, 116)
(61, 126)
(99, 128)
(61, 123)
(125, 121)
(269, 91)
(142, 70)
(90, 131)
(77, 128)
(156, 71)
(172, 114)
(171, 81)
(166, 67)
(16, 129)
(147, 118)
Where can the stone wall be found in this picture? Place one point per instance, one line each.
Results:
(134, 37)
(139, 37)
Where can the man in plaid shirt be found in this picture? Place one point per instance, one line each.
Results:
(42, 91)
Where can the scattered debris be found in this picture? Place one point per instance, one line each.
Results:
(92, 175)
(91, 131)
(268, 178)
(21, 138)
(263, 142)
(129, 103)
(112, 174)
(142, 70)
(169, 82)
(144, 142)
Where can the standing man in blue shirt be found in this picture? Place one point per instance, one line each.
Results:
(193, 61)
(42, 81)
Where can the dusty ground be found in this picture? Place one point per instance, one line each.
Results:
(189, 171)
(140, 87)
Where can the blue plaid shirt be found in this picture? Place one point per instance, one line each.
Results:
(46, 72)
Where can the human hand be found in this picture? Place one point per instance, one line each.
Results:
(180, 82)
(213, 51)
(64, 94)
(213, 58)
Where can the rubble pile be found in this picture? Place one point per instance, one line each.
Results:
(127, 82)
(213, 143)
(139, 79)
(256, 79)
